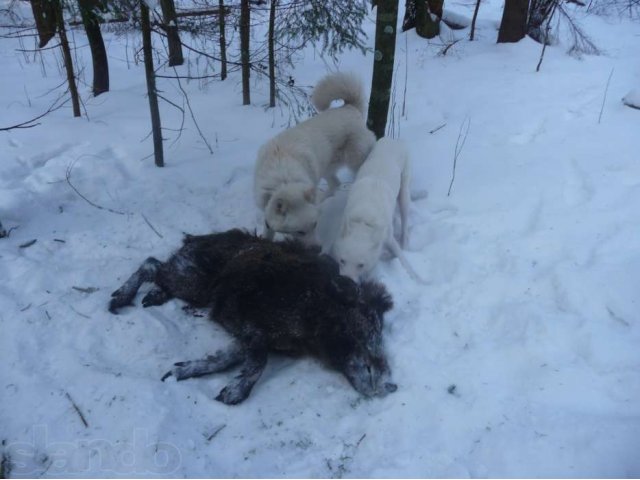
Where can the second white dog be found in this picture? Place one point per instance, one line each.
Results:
(367, 224)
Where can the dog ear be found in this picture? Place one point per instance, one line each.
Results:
(281, 206)
(310, 195)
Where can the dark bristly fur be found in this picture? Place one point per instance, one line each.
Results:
(272, 296)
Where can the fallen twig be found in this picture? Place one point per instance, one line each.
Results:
(437, 128)
(68, 178)
(86, 290)
(462, 138)
(28, 244)
(604, 98)
(77, 409)
(151, 226)
(80, 313)
(216, 432)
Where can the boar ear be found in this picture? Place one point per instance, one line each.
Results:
(377, 296)
(310, 195)
(281, 206)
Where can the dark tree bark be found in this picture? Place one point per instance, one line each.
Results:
(540, 13)
(383, 59)
(170, 26)
(223, 40)
(513, 26)
(473, 21)
(417, 15)
(91, 22)
(152, 94)
(272, 54)
(44, 13)
(245, 28)
(68, 60)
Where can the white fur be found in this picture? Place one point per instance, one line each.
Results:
(291, 164)
(367, 224)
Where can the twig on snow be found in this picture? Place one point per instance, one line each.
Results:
(437, 128)
(604, 98)
(462, 138)
(28, 244)
(77, 409)
(88, 290)
(80, 313)
(151, 226)
(216, 432)
(68, 178)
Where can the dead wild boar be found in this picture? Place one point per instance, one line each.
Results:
(273, 296)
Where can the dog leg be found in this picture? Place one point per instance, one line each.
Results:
(222, 360)
(156, 296)
(404, 201)
(126, 293)
(395, 248)
(333, 182)
(252, 368)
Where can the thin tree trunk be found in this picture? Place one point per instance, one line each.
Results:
(245, 19)
(170, 26)
(223, 40)
(513, 26)
(473, 21)
(385, 46)
(151, 84)
(68, 61)
(272, 57)
(91, 23)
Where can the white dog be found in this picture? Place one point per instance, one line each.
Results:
(291, 164)
(367, 223)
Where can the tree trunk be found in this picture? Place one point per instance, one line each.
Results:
(44, 13)
(151, 84)
(417, 14)
(170, 26)
(272, 54)
(473, 21)
(385, 46)
(540, 12)
(91, 22)
(514, 21)
(68, 60)
(245, 29)
(223, 40)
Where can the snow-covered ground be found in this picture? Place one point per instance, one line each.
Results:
(520, 358)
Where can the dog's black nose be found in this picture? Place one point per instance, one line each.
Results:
(390, 387)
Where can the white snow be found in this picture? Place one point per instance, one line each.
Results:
(519, 359)
(632, 98)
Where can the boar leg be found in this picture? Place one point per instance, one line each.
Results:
(126, 293)
(222, 360)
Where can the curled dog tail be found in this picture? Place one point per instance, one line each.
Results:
(339, 86)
